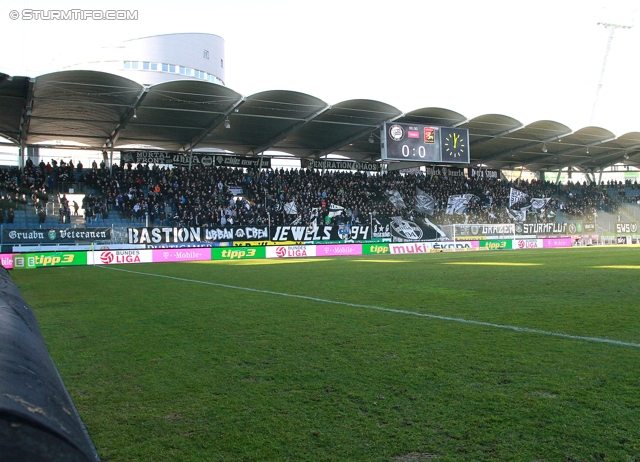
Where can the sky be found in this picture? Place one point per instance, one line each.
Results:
(531, 60)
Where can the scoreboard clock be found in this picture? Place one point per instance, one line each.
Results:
(425, 143)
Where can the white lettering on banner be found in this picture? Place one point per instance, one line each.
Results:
(626, 227)
(158, 235)
(301, 233)
(544, 228)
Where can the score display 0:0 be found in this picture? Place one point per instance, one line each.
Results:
(422, 152)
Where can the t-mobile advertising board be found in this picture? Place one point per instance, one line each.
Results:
(291, 251)
(167, 255)
(338, 250)
(560, 242)
(7, 260)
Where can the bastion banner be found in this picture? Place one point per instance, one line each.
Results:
(247, 234)
(54, 236)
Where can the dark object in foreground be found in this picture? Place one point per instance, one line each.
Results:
(38, 421)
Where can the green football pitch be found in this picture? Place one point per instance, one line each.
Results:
(513, 355)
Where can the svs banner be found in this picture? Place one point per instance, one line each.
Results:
(411, 231)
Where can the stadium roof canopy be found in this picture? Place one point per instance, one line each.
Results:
(95, 110)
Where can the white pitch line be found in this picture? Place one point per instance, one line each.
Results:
(389, 310)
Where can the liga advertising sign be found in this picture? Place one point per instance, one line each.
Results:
(49, 259)
(291, 251)
(521, 244)
(119, 257)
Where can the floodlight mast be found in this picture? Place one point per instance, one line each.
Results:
(611, 28)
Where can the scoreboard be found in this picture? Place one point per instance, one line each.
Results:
(424, 143)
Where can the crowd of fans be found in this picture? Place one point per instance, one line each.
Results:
(222, 196)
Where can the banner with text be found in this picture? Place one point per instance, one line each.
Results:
(169, 235)
(183, 159)
(342, 165)
(54, 236)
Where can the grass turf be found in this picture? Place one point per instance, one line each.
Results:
(168, 369)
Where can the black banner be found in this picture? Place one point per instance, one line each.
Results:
(54, 236)
(445, 171)
(320, 233)
(342, 165)
(483, 173)
(181, 159)
(175, 235)
(398, 229)
(411, 231)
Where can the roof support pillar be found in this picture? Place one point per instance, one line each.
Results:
(110, 160)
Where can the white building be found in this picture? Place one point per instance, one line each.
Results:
(155, 59)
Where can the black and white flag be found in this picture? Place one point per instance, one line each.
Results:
(335, 210)
(517, 215)
(291, 208)
(457, 203)
(516, 197)
(395, 198)
(424, 202)
(539, 203)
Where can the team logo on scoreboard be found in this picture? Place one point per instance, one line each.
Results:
(396, 132)
(429, 135)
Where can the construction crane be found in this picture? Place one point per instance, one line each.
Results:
(611, 28)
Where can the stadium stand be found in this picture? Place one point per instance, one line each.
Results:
(220, 196)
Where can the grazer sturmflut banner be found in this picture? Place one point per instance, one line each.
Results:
(54, 236)
(549, 228)
(176, 235)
